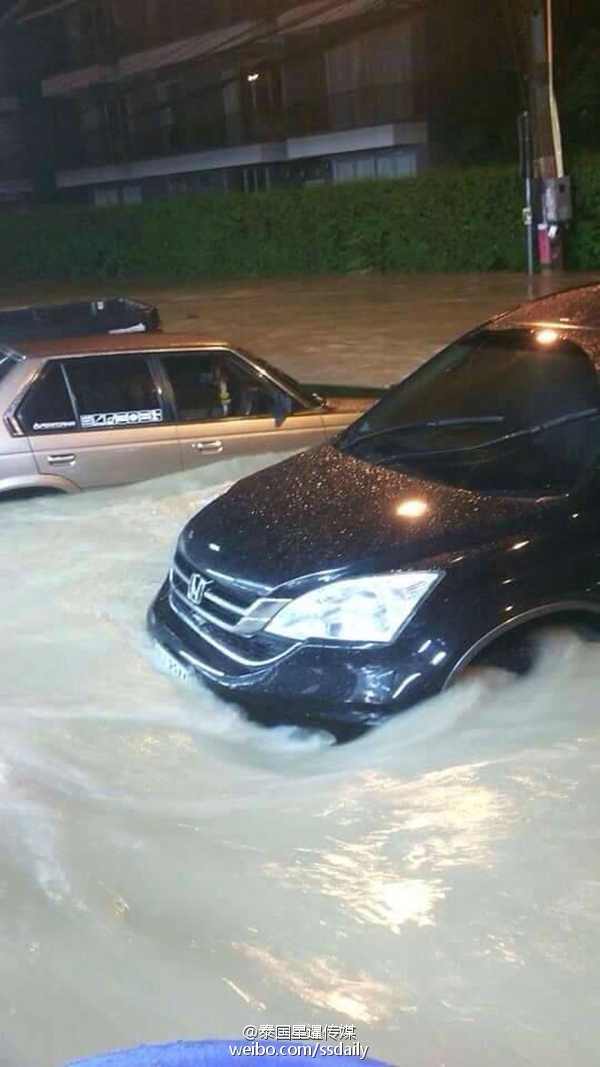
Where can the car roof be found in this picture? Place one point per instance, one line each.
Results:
(575, 307)
(110, 344)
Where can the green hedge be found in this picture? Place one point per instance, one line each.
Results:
(583, 235)
(459, 220)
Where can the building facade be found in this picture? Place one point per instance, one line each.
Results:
(165, 97)
(14, 163)
(116, 101)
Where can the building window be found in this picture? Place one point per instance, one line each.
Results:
(178, 185)
(106, 195)
(132, 194)
(401, 163)
(169, 96)
(111, 195)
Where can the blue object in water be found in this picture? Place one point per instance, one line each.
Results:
(226, 1053)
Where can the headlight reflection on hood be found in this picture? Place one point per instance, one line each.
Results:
(209, 499)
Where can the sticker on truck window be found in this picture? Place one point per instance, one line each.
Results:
(40, 427)
(121, 418)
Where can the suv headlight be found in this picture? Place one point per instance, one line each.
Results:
(370, 610)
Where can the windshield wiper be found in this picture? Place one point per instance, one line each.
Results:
(530, 431)
(422, 424)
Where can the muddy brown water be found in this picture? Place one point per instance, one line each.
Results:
(168, 870)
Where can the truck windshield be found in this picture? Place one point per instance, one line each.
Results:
(285, 379)
(499, 411)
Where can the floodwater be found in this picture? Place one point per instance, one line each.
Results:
(169, 870)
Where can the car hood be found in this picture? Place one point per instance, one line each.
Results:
(324, 511)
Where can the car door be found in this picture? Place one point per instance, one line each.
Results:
(226, 408)
(100, 420)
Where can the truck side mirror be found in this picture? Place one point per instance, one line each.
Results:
(283, 407)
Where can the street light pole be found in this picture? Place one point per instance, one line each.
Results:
(526, 159)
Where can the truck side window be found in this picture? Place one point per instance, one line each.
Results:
(114, 392)
(47, 406)
(211, 385)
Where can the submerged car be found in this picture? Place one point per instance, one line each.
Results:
(112, 315)
(348, 583)
(80, 413)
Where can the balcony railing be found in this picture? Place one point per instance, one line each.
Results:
(182, 128)
(102, 39)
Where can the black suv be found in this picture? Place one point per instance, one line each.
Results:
(353, 580)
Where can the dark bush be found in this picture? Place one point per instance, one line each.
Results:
(454, 220)
(583, 236)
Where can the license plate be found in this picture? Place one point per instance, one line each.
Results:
(173, 665)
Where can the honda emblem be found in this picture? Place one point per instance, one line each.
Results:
(196, 587)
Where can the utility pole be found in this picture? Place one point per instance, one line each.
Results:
(554, 192)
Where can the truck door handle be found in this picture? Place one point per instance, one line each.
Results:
(208, 446)
(66, 459)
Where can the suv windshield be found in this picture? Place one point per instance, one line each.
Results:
(499, 411)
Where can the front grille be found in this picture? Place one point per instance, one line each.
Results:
(214, 619)
(220, 605)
